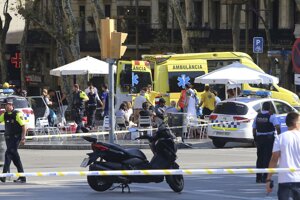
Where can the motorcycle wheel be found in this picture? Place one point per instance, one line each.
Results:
(98, 183)
(176, 182)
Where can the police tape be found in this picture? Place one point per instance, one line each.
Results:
(154, 172)
(135, 129)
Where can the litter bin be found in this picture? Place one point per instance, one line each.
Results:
(2, 148)
(176, 119)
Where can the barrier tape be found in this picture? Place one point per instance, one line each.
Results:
(154, 172)
(75, 135)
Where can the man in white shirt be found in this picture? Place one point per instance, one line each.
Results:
(286, 150)
(138, 105)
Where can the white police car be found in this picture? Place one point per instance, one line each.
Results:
(21, 104)
(232, 119)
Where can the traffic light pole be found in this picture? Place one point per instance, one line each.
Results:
(111, 100)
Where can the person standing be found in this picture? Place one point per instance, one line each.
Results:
(52, 115)
(151, 95)
(208, 101)
(87, 90)
(264, 126)
(91, 106)
(104, 98)
(15, 131)
(286, 150)
(138, 105)
(182, 99)
(63, 102)
(79, 97)
(191, 102)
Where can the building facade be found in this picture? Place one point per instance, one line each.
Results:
(152, 28)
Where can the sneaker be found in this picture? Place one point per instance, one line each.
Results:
(3, 179)
(20, 180)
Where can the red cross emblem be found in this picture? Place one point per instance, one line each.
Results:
(16, 60)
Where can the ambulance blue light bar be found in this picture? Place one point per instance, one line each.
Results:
(7, 91)
(259, 93)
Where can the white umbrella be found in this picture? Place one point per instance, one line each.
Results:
(86, 65)
(236, 73)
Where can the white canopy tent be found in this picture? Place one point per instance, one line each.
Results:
(83, 66)
(236, 73)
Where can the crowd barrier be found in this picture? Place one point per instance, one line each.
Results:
(154, 172)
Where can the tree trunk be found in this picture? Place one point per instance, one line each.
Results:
(236, 19)
(186, 44)
(23, 46)
(3, 33)
(98, 13)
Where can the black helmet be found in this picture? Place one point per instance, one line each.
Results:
(162, 100)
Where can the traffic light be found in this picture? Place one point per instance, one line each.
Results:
(107, 27)
(117, 50)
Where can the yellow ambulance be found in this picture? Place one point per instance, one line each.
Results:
(209, 62)
(172, 76)
(132, 76)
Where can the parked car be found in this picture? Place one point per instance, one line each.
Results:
(232, 119)
(21, 104)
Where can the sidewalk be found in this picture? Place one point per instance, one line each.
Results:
(80, 144)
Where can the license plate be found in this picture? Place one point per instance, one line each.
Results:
(222, 133)
(85, 162)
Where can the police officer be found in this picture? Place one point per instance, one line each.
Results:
(264, 126)
(92, 105)
(79, 97)
(14, 135)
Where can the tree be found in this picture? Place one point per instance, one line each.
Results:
(3, 33)
(236, 26)
(182, 21)
(60, 23)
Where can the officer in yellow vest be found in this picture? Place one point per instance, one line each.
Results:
(15, 131)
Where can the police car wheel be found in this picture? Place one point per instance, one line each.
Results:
(218, 143)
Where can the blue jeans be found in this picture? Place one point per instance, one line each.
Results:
(288, 190)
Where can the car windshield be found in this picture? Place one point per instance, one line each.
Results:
(18, 102)
(231, 108)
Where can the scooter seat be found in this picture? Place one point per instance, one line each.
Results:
(136, 153)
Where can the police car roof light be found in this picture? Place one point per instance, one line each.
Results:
(7, 91)
(259, 93)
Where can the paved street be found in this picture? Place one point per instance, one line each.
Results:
(206, 187)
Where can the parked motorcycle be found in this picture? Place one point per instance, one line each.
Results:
(114, 157)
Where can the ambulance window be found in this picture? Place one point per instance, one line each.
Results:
(217, 64)
(143, 79)
(177, 80)
(125, 82)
